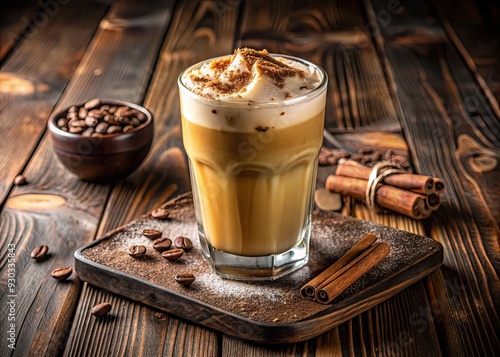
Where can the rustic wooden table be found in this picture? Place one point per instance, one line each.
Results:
(418, 77)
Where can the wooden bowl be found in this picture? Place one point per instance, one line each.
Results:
(105, 158)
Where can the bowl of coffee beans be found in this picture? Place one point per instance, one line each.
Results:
(101, 140)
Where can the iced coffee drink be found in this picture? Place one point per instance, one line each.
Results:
(252, 127)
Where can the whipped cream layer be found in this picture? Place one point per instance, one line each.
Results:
(252, 75)
(252, 90)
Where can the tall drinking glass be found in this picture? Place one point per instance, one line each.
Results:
(253, 171)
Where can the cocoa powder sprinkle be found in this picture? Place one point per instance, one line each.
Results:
(236, 80)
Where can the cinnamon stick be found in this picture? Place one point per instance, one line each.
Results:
(433, 201)
(309, 290)
(438, 185)
(352, 272)
(395, 199)
(412, 182)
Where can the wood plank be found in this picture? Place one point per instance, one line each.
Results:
(133, 329)
(30, 87)
(128, 38)
(235, 347)
(434, 86)
(473, 28)
(18, 19)
(360, 99)
(198, 30)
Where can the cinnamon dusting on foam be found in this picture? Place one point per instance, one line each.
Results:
(254, 75)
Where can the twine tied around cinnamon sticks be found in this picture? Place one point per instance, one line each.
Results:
(358, 260)
(387, 187)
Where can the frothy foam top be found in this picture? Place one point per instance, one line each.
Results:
(251, 91)
(252, 75)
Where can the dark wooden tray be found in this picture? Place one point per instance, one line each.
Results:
(270, 312)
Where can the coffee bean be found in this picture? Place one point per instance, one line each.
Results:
(96, 135)
(101, 128)
(80, 123)
(113, 121)
(141, 116)
(137, 251)
(135, 122)
(114, 129)
(183, 243)
(75, 129)
(91, 121)
(104, 107)
(82, 113)
(101, 309)
(112, 109)
(40, 252)
(185, 279)
(72, 115)
(73, 109)
(160, 213)
(129, 112)
(91, 104)
(64, 128)
(151, 233)
(127, 128)
(20, 180)
(109, 117)
(96, 113)
(120, 111)
(62, 122)
(88, 132)
(162, 244)
(61, 273)
(124, 120)
(172, 254)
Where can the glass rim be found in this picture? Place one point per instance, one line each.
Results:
(251, 104)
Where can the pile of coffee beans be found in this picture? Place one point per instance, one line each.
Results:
(97, 119)
(366, 156)
(170, 249)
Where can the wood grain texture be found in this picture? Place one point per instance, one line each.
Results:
(197, 31)
(235, 347)
(473, 27)
(133, 329)
(30, 87)
(46, 308)
(467, 223)
(410, 330)
(16, 19)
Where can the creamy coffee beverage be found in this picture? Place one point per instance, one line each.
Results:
(252, 128)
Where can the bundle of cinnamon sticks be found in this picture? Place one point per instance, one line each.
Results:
(413, 195)
(329, 284)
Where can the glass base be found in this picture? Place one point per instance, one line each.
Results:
(260, 268)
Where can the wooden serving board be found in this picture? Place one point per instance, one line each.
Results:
(269, 312)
